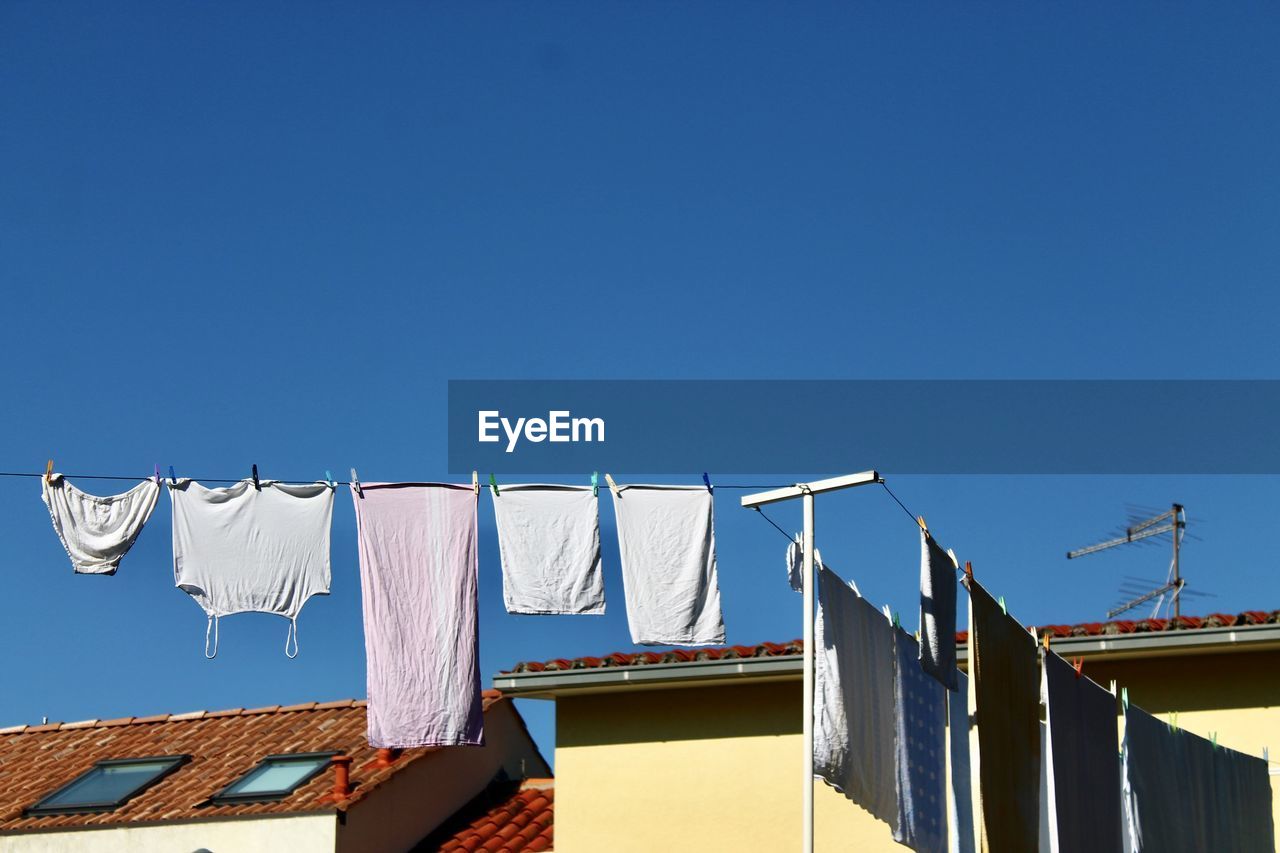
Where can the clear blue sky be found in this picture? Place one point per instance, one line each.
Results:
(233, 235)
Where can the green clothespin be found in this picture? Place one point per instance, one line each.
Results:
(1214, 739)
(1003, 609)
(595, 484)
(1124, 697)
(897, 623)
(493, 484)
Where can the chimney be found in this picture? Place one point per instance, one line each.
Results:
(386, 757)
(341, 776)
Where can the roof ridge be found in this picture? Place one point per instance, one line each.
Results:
(185, 716)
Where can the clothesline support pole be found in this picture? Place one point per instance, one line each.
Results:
(806, 492)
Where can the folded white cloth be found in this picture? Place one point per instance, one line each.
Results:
(549, 541)
(97, 531)
(666, 536)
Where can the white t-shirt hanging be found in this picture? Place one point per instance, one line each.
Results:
(242, 549)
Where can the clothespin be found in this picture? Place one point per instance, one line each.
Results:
(707, 481)
(355, 481)
(173, 478)
(897, 623)
(1113, 687)
(1003, 609)
(968, 570)
(493, 484)
(1046, 641)
(888, 614)
(1214, 739)
(1173, 720)
(1266, 755)
(256, 484)
(952, 555)
(1124, 697)
(1078, 663)
(328, 479)
(157, 473)
(920, 521)
(475, 482)
(613, 487)
(595, 484)
(48, 471)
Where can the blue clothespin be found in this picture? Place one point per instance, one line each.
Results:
(595, 484)
(328, 479)
(707, 481)
(493, 484)
(355, 482)
(256, 484)
(1003, 609)
(173, 478)
(157, 473)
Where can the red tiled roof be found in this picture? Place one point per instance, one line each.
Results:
(796, 647)
(512, 817)
(223, 745)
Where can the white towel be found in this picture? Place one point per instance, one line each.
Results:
(960, 801)
(97, 532)
(937, 612)
(666, 536)
(1082, 761)
(853, 716)
(549, 540)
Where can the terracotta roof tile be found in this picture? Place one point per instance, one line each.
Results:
(508, 816)
(223, 746)
(796, 647)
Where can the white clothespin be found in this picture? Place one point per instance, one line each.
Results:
(355, 481)
(952, 555)
(475, 482)
(613, 487)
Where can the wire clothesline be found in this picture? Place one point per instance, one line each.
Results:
(136, 478)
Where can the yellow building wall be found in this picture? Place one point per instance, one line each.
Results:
(715, 768)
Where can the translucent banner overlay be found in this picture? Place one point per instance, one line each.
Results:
(898, 426)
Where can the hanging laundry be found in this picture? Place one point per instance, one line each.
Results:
(937, 611)
(96, 532)
(666, 536)
(795, 563)
(960, 801)
(1183, 793)
(854, 725)
(921, 762)
(549, 540)
(418, 569)
(1006, 691)
(243, 549)
(1081, 761)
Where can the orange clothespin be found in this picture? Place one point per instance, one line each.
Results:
(1078, 663)
(968, 570)
(920, 521)
(1046, 640)
(48, 471)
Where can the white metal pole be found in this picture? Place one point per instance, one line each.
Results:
(808, 672)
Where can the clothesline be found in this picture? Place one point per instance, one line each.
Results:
(136, 478)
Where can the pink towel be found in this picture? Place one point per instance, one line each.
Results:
(418, 579)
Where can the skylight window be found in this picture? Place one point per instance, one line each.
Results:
(108, 784)
(275, 777)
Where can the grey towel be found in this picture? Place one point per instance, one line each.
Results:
(1007, 692)
(853, 715)
(1184, 794)
(1083, 760)
(937, 612)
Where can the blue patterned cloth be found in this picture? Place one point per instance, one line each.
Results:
(921, 716)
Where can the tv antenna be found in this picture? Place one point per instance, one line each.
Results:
(1172, 521)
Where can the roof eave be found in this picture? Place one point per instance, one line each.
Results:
(550, 684)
